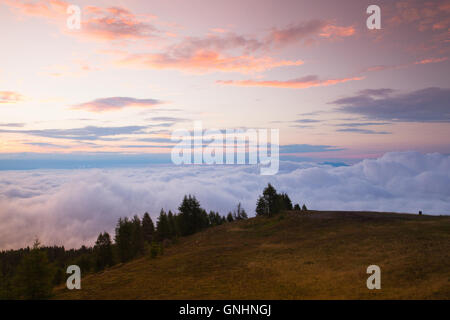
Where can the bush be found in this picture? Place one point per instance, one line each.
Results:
(154, 250)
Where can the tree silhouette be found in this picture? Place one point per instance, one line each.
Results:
(215, 219)
(137, 240)
(124, 239)
(270, 202)
(287, 203)
(239, 213)
(148, 228)
(173, 227)
(192, 217)
(162, 226)
(103, 252)
(34, 276)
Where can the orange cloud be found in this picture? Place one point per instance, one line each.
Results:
(331, 31)
(10, 97)
(202, 61)
(300, 83)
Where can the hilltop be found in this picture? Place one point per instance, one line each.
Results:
(292, 255)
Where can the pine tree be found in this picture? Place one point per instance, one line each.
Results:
(261, 206)
(103, 251)
(192, 218)
(215, 219)
(124, 239)
(304, 208)
(34, 276)
(173, 228)
(271, 202)
(287, 203)
(230, 217)
(137, 237)
(162, 226)
(297, 207)
(148, 228)
(239, 213)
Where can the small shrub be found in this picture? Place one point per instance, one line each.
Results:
(154, 250)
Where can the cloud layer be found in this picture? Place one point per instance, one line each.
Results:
(71, 207)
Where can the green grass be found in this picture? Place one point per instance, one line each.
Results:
(314, 255)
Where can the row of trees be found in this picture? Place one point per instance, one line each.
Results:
(134, 236)
(271, 202)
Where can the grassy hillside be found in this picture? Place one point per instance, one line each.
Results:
(314, 255)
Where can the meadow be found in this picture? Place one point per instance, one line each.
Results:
(292, 255)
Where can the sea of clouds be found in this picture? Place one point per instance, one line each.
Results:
(70, 207)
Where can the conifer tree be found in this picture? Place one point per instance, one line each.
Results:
(239, 213)
(148, 228)
(103, 251)
(34, 276)
(270, 202)
(286, 202)
(173, 229)
(162, 226)
(137, 242)
(124, 239)
(192, 217)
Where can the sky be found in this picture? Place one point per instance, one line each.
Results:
(137, 70)
(86, 115)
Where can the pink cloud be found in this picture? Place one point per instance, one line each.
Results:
(113, 23)
(424, 15)
(405, 65)
(230, 52)
(307, 31)
(47, 9)
(219, 30)
(115, 103)
(431, 60)
(202, 61)
(299, 83)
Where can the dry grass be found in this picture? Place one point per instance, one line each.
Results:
(316, 255)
